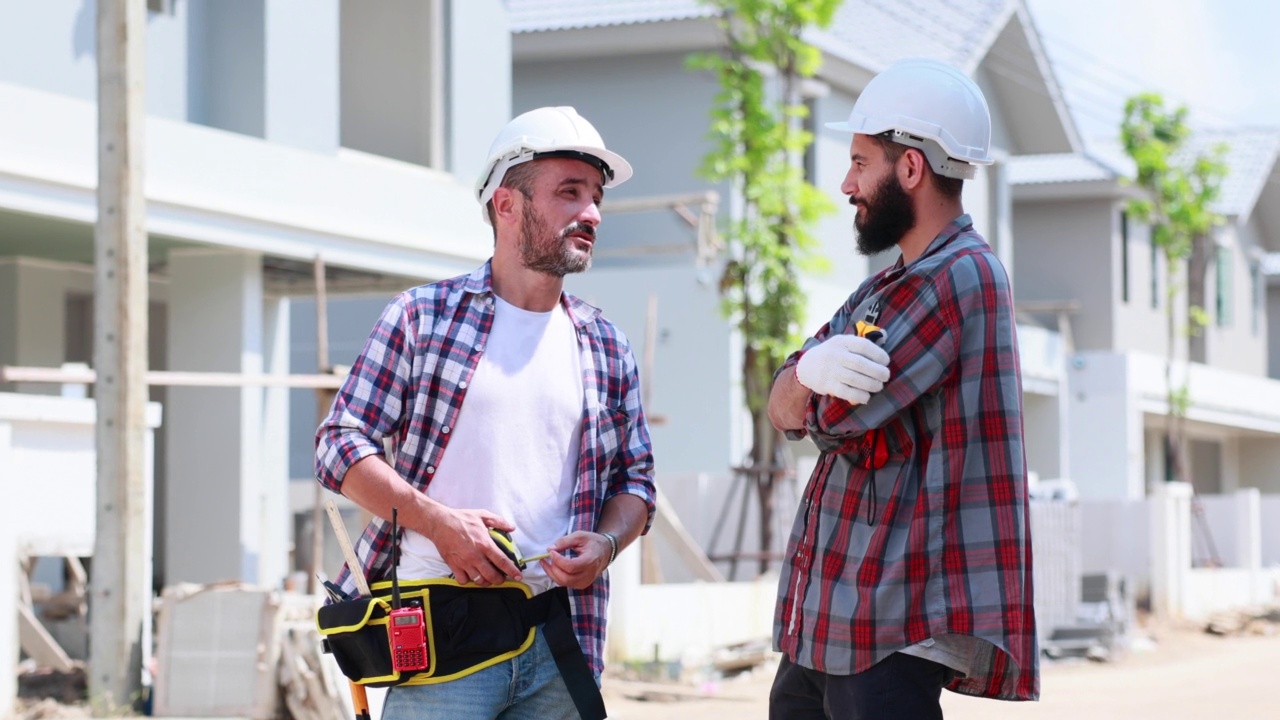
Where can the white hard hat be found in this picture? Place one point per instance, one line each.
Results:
(929, 105)
(547, 132)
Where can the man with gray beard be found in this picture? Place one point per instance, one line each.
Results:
(536, 399)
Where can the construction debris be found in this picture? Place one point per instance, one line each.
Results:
(1254, 621)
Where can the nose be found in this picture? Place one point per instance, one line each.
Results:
(590, 215)
(850, 185)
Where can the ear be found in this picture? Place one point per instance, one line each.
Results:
(504, 203)
(912, 169)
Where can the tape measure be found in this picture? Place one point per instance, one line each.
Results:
(503, 540)
(874, 333)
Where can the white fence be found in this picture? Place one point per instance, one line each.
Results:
(1190, 556)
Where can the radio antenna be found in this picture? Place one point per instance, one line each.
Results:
(395, 560)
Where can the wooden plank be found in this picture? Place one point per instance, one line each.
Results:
(36, 642)
(14, 373)
(668, 525)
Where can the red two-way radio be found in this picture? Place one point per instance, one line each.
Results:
(406, 626)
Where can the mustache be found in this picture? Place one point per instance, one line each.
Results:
(579, 227)
(856, 200)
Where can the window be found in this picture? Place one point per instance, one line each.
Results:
(1223, 289)
(1124, 256)
(1256, 295)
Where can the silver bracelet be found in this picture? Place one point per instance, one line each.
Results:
(613, 545)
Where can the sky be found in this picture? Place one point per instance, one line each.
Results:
(1220, 58)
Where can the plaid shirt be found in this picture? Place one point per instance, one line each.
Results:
(410, 381)
(915, 521)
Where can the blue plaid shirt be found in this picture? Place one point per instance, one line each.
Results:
(410, 381)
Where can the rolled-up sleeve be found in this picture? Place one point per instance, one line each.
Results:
(632, 470)
(370, 403)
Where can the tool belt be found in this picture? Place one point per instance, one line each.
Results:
(467, 630)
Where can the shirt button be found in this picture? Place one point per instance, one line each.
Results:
(431, 469)
(479, 347)
(463, 384)
(445, 429)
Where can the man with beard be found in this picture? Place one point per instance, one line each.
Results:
(908, 567)
(514, 406)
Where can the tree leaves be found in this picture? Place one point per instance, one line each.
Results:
(757, 135)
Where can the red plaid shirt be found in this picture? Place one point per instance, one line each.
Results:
(410, 381)
(915, 521)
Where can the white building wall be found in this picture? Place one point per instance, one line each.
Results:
(50, 45)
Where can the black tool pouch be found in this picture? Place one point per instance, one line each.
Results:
(467, 629)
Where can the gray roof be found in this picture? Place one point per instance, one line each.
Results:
(1059, 168)
(1251, 158)
(869, 33)
(540, 15)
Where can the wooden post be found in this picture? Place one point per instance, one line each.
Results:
(121, 582)
(324, 398)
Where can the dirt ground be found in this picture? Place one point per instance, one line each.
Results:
(1171, 674)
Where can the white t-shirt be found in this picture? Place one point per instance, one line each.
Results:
(514, 449)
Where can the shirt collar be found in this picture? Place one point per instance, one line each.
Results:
(480, 282)
(952, 229)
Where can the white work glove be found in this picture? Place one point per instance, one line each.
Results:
(845, 366)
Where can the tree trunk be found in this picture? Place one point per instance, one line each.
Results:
(1197, 270)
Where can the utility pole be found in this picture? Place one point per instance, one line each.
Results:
(121, 576)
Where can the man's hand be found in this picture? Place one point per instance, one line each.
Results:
(845, 366)
(591, 553)
(462, 538)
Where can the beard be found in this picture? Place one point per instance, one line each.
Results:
(549, 252)
(886, 216)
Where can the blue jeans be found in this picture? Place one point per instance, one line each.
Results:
(526, 687)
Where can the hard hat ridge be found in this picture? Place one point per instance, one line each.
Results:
(929, 105)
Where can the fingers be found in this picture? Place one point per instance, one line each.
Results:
(851, 395)
(869, 369)
(495, 521)
(863, 347)
(588, 562)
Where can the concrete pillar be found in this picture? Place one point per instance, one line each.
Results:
(1248, 528)
(275, 520)
(1105, 427)
(222, 496)
(479, 47)
(301, 73)
(267, 68)
(1170, 548)
(32, 318)
(8, 593)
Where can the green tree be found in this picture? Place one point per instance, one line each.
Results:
(758, 143)
(1181, 188)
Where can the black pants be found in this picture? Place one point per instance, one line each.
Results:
(900, 687)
